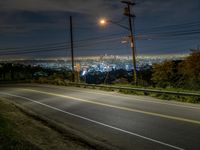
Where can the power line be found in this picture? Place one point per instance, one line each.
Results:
(55, 48)
(100, 40)
(32, 46)
(83, 43)
(155, 34)
(172, 26)
(60, 43)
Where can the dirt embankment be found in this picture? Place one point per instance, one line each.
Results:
(20, 131)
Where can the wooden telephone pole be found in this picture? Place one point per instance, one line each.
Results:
(127, 12)
(72, 49)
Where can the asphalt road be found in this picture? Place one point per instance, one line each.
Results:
(121, 121)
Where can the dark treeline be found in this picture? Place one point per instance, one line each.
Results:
(178, 74)
(19, 72)
(170, 74)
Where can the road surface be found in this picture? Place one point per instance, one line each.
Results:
(124, 122)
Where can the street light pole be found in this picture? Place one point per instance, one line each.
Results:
(130, 16)
(72, 49)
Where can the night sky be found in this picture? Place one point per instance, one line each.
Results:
(40, 28)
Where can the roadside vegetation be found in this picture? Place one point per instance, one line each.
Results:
(173, 75)
(20, 130)
(10, 138)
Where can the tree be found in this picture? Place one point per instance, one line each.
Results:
(145, 75)
(166, 74)
(190, 71)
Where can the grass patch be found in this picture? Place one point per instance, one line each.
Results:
(21, 129)
(9, 139)
(170, 89)
(188, 99)
(168, 97)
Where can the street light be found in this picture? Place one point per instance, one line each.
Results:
(104, 22)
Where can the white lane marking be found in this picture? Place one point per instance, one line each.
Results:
(96, 122)
(124, 96)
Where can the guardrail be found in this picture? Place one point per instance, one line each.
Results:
(146, 91)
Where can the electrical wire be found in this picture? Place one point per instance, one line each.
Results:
(157, 33)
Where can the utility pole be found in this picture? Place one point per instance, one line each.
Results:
(130, 16)
(72, 49)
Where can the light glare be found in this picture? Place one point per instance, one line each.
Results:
(102, 21)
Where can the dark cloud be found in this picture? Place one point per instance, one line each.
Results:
(47, 18)
(81, 6)
(34, 14)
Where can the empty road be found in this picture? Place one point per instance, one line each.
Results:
(124, 122)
